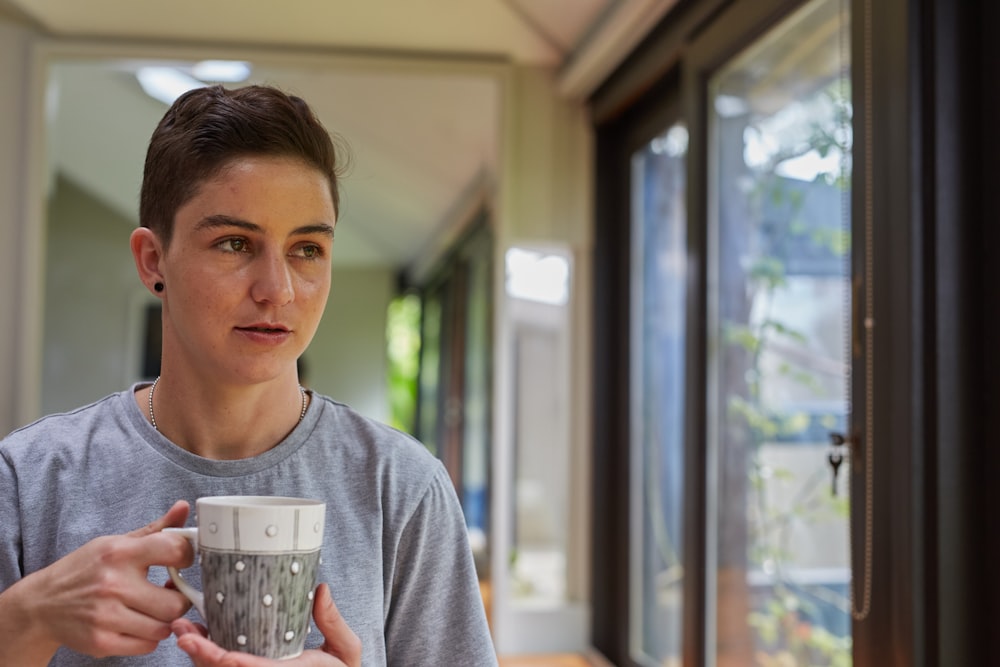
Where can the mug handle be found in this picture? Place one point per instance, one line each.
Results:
(197, 597)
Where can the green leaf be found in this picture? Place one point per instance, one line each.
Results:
(768, 270)
(781, 328)
(742, 335)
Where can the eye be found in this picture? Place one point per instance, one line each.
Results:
(234, 245)
(308, 251)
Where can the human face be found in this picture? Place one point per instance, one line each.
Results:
(248, 270)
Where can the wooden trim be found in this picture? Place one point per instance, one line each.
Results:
(956, 71)
(659, 53)
(610, 534)
(985, 239)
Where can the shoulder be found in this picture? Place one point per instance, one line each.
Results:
(62, 430)
(369, 437)
(382, 459)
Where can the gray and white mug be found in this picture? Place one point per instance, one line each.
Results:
(259, 558)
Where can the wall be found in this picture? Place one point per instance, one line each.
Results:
(545, 205)
(92, 301)
(347, 358)
(16, 283)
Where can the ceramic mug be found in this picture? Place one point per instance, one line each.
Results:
(259, 558)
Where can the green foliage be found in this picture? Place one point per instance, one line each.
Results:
(742, 335)
(789, 641)
(403, 352)
(783, 632)
(769, 272)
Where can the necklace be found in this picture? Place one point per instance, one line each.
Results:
(152, 415)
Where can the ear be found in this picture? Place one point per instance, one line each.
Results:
(147, 251)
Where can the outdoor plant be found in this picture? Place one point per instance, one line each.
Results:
(787, 623)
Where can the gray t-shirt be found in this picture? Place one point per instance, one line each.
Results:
(396, 553)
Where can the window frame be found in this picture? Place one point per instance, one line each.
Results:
(937, 382)
(610, 582)
(449, 284)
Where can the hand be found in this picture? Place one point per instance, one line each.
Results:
(342, 647)
(98, 600)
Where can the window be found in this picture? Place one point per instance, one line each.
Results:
(921, 371)
(453, 415)
(658, 263)
(724, 223)
(778, 288)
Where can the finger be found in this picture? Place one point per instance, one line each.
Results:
(137, 629)
(202, 652)
(174, 518)
(159, 548)
(158, 603)
(340, 639)
(183, 626)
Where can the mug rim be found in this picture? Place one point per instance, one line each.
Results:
(258, 501)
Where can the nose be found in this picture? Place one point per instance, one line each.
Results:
(273, 280)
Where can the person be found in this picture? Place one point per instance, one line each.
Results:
(238, 208)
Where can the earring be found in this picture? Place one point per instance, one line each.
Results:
(158, 286)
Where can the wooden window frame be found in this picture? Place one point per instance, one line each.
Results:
(933, 146)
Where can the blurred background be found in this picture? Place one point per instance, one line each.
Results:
(616, 262)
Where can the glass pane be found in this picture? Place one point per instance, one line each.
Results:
(659, 222)
(402, 333)
(430, 372)
(476, 436)
(778, 370)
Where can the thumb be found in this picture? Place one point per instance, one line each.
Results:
(341, 642)
(174, 518)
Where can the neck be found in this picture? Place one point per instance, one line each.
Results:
(220, 422)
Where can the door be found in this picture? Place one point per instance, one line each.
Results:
(777, 367)
(724, 224)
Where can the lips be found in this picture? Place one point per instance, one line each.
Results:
(265, 328)
(267, 333)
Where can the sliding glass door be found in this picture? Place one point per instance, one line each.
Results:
(658, 270)
(778, 294)
(724, 219)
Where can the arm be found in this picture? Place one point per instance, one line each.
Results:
(96, 600)
(22, 638)
(436, 615)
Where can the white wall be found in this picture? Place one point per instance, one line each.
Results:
(347, 358)
(18, 278)
(92, 302)
(545, 204)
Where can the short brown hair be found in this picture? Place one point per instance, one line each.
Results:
(207, 128)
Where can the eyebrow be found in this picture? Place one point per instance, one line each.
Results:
(221, 220)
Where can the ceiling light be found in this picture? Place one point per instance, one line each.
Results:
(166, 84)
(222, 71)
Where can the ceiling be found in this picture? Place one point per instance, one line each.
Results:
(423, 140)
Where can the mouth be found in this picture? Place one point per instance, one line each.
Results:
(265, 328)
